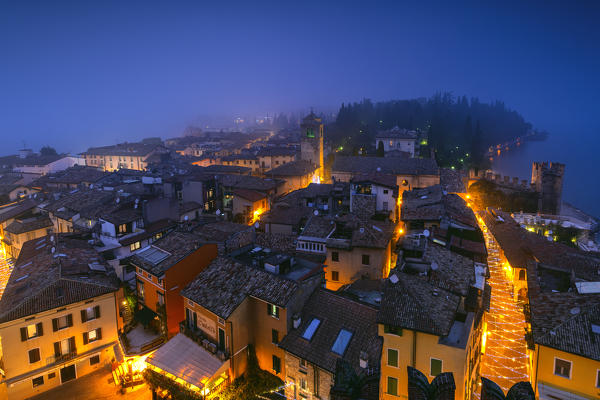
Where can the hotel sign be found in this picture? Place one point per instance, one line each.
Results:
(207, 325)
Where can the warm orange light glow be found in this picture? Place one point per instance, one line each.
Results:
(468, 196)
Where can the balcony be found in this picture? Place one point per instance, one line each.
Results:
(61, 358)
(203, 340)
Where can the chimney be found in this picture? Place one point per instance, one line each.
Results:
(296, 320)
(364, 360)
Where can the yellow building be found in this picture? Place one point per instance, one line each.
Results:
(431, 329)
(232, 305)
(23, 229)
(124, 155)
(58, 317)
(563, 335)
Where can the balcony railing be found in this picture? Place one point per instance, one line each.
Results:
(57, 359)
(203, 340)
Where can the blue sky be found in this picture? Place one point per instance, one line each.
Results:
(76, 74)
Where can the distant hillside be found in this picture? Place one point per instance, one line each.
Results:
(448, 121)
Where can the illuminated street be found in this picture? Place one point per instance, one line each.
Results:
(505, 358)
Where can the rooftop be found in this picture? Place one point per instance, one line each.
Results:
(397, 133)
(19, 226)
(411, 302)
(385, 165)
(43, 279)
(124, 149)
(294, 168)
(334, 327)
(166, 252)
(224, 284)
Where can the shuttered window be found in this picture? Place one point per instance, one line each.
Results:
(34, 356)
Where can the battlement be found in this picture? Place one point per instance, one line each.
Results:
(506, 181)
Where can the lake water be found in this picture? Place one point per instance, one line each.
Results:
(579, 152)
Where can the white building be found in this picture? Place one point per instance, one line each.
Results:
(397, 139)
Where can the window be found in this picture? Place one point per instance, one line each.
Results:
(598, 378)
(392, 330)
(31, 331)
(273, 310)
(562, 368)
(366, 259)
(64, 347)
(63, 322)
(303, 384)
(122, 228)
(341, 342)
(311, 329)
(392, 386)
(385, 206)
(52, 375)
(392, 358)
(274, 336)
(134, 246)
(436, 367)
(161, 298)
(276, 364)
(522, 275)
(38, 381)
(303, 364)
(140, 287)
(90, 313)
(385, 191)
(95, 359)
(335, 276)
(34, 356)
(92, 336)
(335, 256)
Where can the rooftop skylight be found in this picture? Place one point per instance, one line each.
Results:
(311, 329)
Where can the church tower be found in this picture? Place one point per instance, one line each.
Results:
(311, 141)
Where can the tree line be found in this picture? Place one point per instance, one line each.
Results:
(458, 130)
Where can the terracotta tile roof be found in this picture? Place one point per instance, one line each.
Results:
(455, 273)
(19, 226)
(294, 168)
(224, 284)
(248, 194)
(413, 303)
(42, 280)
(318, 226)
(249, 182)
(124, 149)
(386, 165)
(335, 312)
(397, 133)
(432, 203)
(167, 252)
(21, 207)
(219, 231)
(563, 320)
(451, 180)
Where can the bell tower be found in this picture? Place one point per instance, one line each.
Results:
(311, 141)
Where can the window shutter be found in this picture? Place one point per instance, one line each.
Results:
(86, 339)
(276, 312)
(40, 329)
(54, 324)
(268, 309)
(97, 311)
(83, 316)
(99, 333)
(23, 334)
(70, 320)
(72, 348)
(57, 349)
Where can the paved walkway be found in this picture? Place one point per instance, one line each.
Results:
(505, 358)
(95, 386)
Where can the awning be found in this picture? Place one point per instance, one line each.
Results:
(186, 360)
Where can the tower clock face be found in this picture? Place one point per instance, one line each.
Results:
(310, 133)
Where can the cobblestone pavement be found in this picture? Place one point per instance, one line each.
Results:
(98, 385)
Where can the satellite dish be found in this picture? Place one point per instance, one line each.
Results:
(434, 266)
(256, 225)
(378, 169)
(53, 250)
(393, 278)
(218, 212)
(426, 233)
(186, 218)
(52, 238)
(316, 212)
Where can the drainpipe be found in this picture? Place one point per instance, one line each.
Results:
(231, 357)
(414, 350)
(537, 363)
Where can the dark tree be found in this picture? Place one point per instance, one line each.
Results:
(380, 149)
(48, 151)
